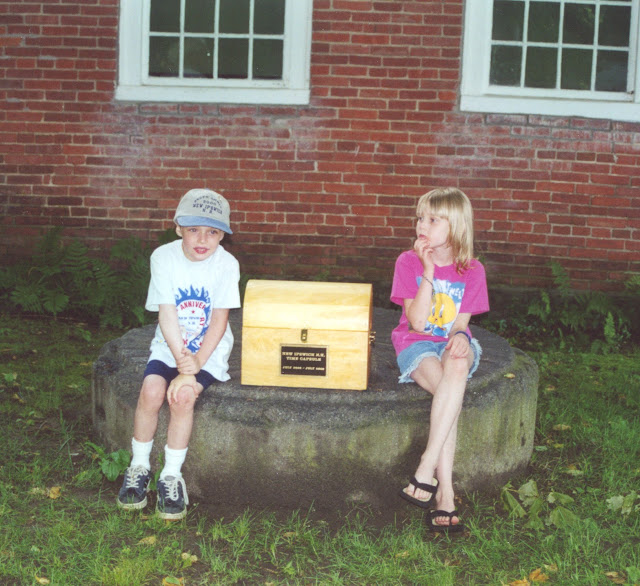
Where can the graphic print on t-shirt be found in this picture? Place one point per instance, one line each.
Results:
(447, 299)
(194, 307)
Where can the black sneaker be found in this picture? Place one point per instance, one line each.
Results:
(172, 498)
(133, 494)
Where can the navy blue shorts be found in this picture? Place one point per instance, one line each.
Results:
(168, 373)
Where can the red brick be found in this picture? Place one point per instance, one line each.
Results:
(380, 131)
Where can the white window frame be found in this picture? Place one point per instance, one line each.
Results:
(477, 95)
(135, 85)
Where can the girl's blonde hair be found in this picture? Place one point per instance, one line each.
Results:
(454, 206)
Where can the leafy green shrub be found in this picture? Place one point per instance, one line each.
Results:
(561, 318)
(588, 319)
(62, 279)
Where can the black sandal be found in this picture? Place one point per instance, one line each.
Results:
(450, 528)
(432, 488)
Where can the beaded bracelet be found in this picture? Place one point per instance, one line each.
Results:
(465, 334)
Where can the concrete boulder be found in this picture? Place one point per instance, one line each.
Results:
(289, 448)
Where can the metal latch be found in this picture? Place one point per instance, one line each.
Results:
(303, 335)
(372, 338)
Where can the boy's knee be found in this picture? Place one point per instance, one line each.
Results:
(153, 393)
(185, 397)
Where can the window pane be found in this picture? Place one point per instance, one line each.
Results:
(579, 20)
(614, 26)
(505, 65)
(234, 16)
(508, 20)
(165, 16)
(199, 16)
(164, 55)
(540, 70)
(198, 58)
(233, 58)
(544, 18)
(267, 59)
(576, 69)
(268, 17)
(611, 71)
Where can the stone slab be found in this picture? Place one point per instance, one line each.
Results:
(284, 447)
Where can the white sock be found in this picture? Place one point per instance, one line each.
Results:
(141, 452)
(173, 461)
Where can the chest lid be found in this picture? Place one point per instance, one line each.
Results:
(308, 305)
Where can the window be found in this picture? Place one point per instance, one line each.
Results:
(552, 57)
(235, 51)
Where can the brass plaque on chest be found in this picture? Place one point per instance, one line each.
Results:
(303, 360)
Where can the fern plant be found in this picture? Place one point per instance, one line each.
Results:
(41, 287)
(63, 279)
(587, 318)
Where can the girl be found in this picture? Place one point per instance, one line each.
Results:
(439, 286)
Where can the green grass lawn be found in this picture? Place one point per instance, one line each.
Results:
(574, 518)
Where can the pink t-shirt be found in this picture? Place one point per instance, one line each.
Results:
(454, 293)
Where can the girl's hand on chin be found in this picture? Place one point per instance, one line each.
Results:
(424, 252)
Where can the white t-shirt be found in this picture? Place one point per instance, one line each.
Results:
(196, 288)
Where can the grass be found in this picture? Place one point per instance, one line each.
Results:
(573, 518)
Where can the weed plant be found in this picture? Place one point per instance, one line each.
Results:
(61, 278)
(564, 319)
(572, 519)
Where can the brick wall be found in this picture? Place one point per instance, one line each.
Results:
(327, 189)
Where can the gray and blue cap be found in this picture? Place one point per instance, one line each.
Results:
(203, 207)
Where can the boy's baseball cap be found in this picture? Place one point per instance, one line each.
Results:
(203, 207)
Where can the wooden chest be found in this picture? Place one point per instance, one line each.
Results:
(306, 334)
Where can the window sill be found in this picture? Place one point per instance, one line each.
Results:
(587, 108)
(269, 96)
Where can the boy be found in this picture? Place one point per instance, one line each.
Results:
(194, 283)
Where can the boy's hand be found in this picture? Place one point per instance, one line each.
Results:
(188, 363)
(182, 380)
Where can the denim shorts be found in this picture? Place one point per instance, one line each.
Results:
(168, 373)
(412, 356)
